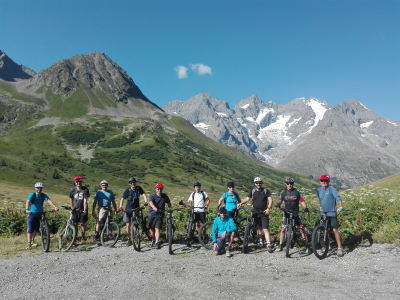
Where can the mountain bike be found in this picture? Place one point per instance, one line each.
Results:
(191, 225)
(250, 230)
(170, 228)
(68, 234)
(321, 236)
(292, 232)
(205, 232)
(137, 221)
(44, 232)
(110, 231)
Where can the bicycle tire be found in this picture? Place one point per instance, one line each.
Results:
(289, 238)
(205, 235)
(44, 235)
(239, 233)
(319, 243)
(170, 238)
(190, 231)
(67, 238)
(135, 236)
(145, 229)
(246, 238)
(348, 238)
(110, 234)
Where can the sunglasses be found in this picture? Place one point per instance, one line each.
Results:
(289, 183)
(104, 185)
(258, 182)
(323, 180)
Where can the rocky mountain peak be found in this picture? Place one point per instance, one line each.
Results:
(91, 71)
(11, 71)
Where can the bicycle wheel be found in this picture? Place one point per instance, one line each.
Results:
(109, 234)
(44, 235)
(170, 231)
(67, 238)
(246, 237)
(190, 231)
(239, 233)
(205, 235)
(348, 239)
(320, 242)
(289, 239)
(145, 229)
(135, 236)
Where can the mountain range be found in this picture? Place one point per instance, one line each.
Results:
(348, 141)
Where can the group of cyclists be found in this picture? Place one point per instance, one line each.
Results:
(224, 226)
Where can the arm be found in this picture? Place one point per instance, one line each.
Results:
(27, 207)
(52, 205)
(269, 206)
(207, 202)
(71, 201)
(220, 201)
(145, 199)
(152, 205)
(121, 203)
(337, 197)
(214, 231)
(94, 207)
(85, 205)
(245, 201)
(231, 226)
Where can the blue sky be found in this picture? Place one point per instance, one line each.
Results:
(278, 50)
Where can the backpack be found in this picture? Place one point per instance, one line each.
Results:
(202, 193)
(130, 193)
(254, 190)
(41, 197)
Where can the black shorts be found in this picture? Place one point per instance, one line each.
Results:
(79, 217)
(332, 222)
(154, 222)
(297, 220)
(200, 216)
(261, 220)
(232, 213)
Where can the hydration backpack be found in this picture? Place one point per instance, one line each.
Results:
(41, 197)
(202, 193)
(254, 190)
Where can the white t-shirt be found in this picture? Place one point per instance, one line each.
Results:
(198, 200)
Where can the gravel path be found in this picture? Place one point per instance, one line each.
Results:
(121, 273)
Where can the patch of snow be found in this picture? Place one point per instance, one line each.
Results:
(392, 123)
(277, 130)
(221, 114)
(366, 124)
(251, 119)
(363, 105)
(245, 106)
(319, 109)
(294, 122)
(201, 125)
(263, 113)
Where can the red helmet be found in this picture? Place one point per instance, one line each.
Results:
(159, 185)
(78, 178)
(324, 177)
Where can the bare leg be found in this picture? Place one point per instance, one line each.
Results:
(157, 234)
(337, 237)
(282, 235)
(267, 236)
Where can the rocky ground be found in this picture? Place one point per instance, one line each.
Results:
(121, 273)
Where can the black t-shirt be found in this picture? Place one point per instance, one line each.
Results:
(260, 198)
(292, 198)
(77, 197)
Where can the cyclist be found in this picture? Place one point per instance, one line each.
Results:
(157, 203)
(79, 196)
(34, 209)
(231, 199)
(292, 198)
(104, 197)
(223, 232)
(200, 200)
(262, 202)
(132, 195)
(328, 196)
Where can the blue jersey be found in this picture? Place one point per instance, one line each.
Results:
(104, 198)
(159, 202)
(328, 198)
(220, 226)
(36, 202)
(231, 200)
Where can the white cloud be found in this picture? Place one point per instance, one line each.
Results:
(201, 69)
(181, 71)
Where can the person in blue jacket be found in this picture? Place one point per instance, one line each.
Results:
(223, 232)
(328, 196)
(231, 200)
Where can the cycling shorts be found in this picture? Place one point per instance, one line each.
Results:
(232, 213)
(200, 216)
(102, 213)
(79, 217)
(333, 222)
(297, 221)
(33, 223)
(261, 220)
(154, 222)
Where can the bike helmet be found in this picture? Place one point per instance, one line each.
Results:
(222, 210)
(230, 184)
(78, 178)
(159, 185)
(196, 184)
(132, 179)
(324, 177)
(38, 185)
(103, 182)
(257, 179)
(289, 180)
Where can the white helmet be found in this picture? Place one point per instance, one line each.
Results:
(103, 182)
(257, 179)
(38, 185)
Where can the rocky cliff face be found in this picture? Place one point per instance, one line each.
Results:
(10, 71)
(348, 141)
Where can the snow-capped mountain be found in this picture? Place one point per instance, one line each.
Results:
(348, 141)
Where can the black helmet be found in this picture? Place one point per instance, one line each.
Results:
(230, 184)
(197, 184)
(289, 180)
(132, 179)
(222, 210)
